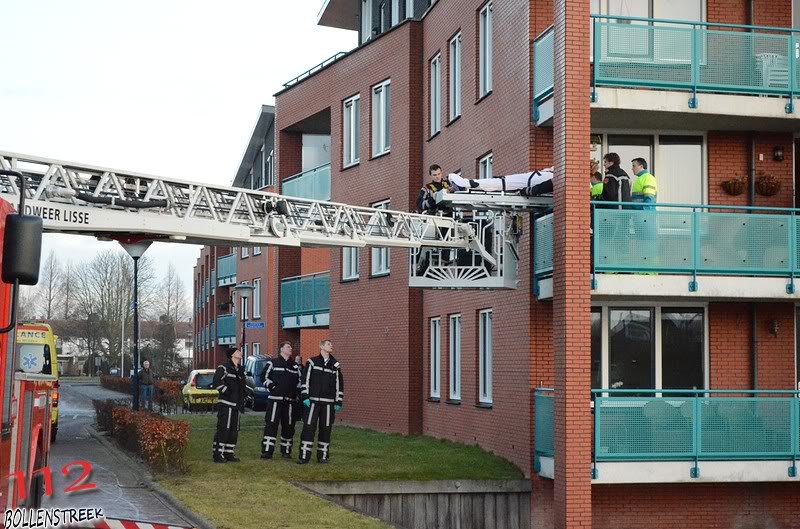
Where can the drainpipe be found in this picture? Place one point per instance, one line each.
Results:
(752, 202)
(751, 13)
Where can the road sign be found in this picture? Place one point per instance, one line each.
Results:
(254, 325)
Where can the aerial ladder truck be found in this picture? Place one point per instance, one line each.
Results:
(65, 197)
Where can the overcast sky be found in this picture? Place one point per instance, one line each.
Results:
(166, 87)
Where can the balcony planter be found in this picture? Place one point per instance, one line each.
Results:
(767, 185)
(734, 186)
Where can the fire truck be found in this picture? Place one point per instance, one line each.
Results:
(58, 196)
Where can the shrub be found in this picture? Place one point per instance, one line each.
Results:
(167, 395)
(121, 384)
(102, 410)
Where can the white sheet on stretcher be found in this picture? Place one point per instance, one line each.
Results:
(513, 182)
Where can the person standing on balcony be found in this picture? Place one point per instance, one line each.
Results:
(229, 381)
(644, 188)
(322, 392)
(616, 182)
(595, 180)
(281, 376)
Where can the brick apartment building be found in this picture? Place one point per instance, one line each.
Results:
(702, 299)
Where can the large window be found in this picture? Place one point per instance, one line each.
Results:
(256, 250)
(455, 357)
(455, 77)
(380, 256)
(349, 263)
(366, 20)
(485, 50)
(245, 252)
(409, 8)
(352, 131)
(485, 166)
(384, 16)
(436, 357)
(269, 169)
(436, 101)
(649, 347)
(256, 351)
(257, 298)
(395, 12)
(485, 356)
(381, 96)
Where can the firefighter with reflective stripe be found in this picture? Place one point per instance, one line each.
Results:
(644, 188)
(229, 381)
(281, 376)
(426, 198)
(322, 391)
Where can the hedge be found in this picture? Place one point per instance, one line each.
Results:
(161, 442)
(167, 394)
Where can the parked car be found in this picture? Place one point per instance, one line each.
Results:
(198, 390)
(255, 392)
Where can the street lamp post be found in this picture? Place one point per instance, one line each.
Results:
(136, 251)
(243, 291)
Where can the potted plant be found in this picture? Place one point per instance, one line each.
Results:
(734, 186)
(767, 185)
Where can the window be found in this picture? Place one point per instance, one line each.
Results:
(256, 250)
(352, 130)
(245, 252)
(380, 256)
(380, 118)
(256, 351)
(649, 347)
(244, 305)
(455, 77)
(349, 263)
(261, 161)
(366, 20)
(269, 169)
(436, 357)
(455, 357)
(250, 181)
(384, 17)
(395, 12)
(409, 8)
(485, 166)
(485, 355)
(436, 87)
(485, 51)
(257, 298)
(244, 349)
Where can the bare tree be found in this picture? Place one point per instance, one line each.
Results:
(172, 302)
(49, 286)
(26, 305)
(67, 290)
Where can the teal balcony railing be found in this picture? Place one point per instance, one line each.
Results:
(682, 55)
(543, 426)
(305, 296)
(226, 270)
(213, 332)
(314, 184)
(685, 425)
(226, 327)
(685, 239)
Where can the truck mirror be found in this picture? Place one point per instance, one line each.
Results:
(22, 249)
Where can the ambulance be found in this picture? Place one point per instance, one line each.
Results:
(36, 351)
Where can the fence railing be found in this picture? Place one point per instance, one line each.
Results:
(314, 69)
(685, 425)
(685, 239)
(305, 295)
(683, 55)
(226, 326)
(314, 184)
(226, 270)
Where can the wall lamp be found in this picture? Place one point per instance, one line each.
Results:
(777, 153)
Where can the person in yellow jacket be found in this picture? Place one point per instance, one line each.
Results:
(645, 191)
(595, 180)
(644, 188)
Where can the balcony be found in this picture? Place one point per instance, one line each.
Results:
(665, 436)
(708, 68)
(226, 329)
(676, 250)
(305, 301)
(226, 270)
(314, 184)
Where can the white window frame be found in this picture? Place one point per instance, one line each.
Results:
(380, 263)
(263, 167)
(256, 250)
(351, 135)
(485, 356)
(658, 351)
(486, 166)
(366, 20)
(436, 357)
(454, 332)
(244, 349)
(257, 298)
(243, 306)
(383, 18)
(436, 94)
(269, 169)
(256, 349)
(350, 258)
(381, 116)
(409, 8)
(485, 50)
(245, 252)
(395, 12)
(454, 80)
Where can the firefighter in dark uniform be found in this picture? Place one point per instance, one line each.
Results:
(229, 381)
(426, 198)
(281, 376)
(322, 391)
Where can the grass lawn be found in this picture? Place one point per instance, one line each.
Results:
(256, 493)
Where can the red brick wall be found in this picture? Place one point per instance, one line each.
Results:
(315, 260)
(247, 269)
(767, 13)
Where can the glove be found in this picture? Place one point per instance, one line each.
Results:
(338, 407)
(307, 403)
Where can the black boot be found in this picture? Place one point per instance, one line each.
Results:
(231, 458)
(286, 455)
(266, 455)
(219, 459)
(303, 461)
